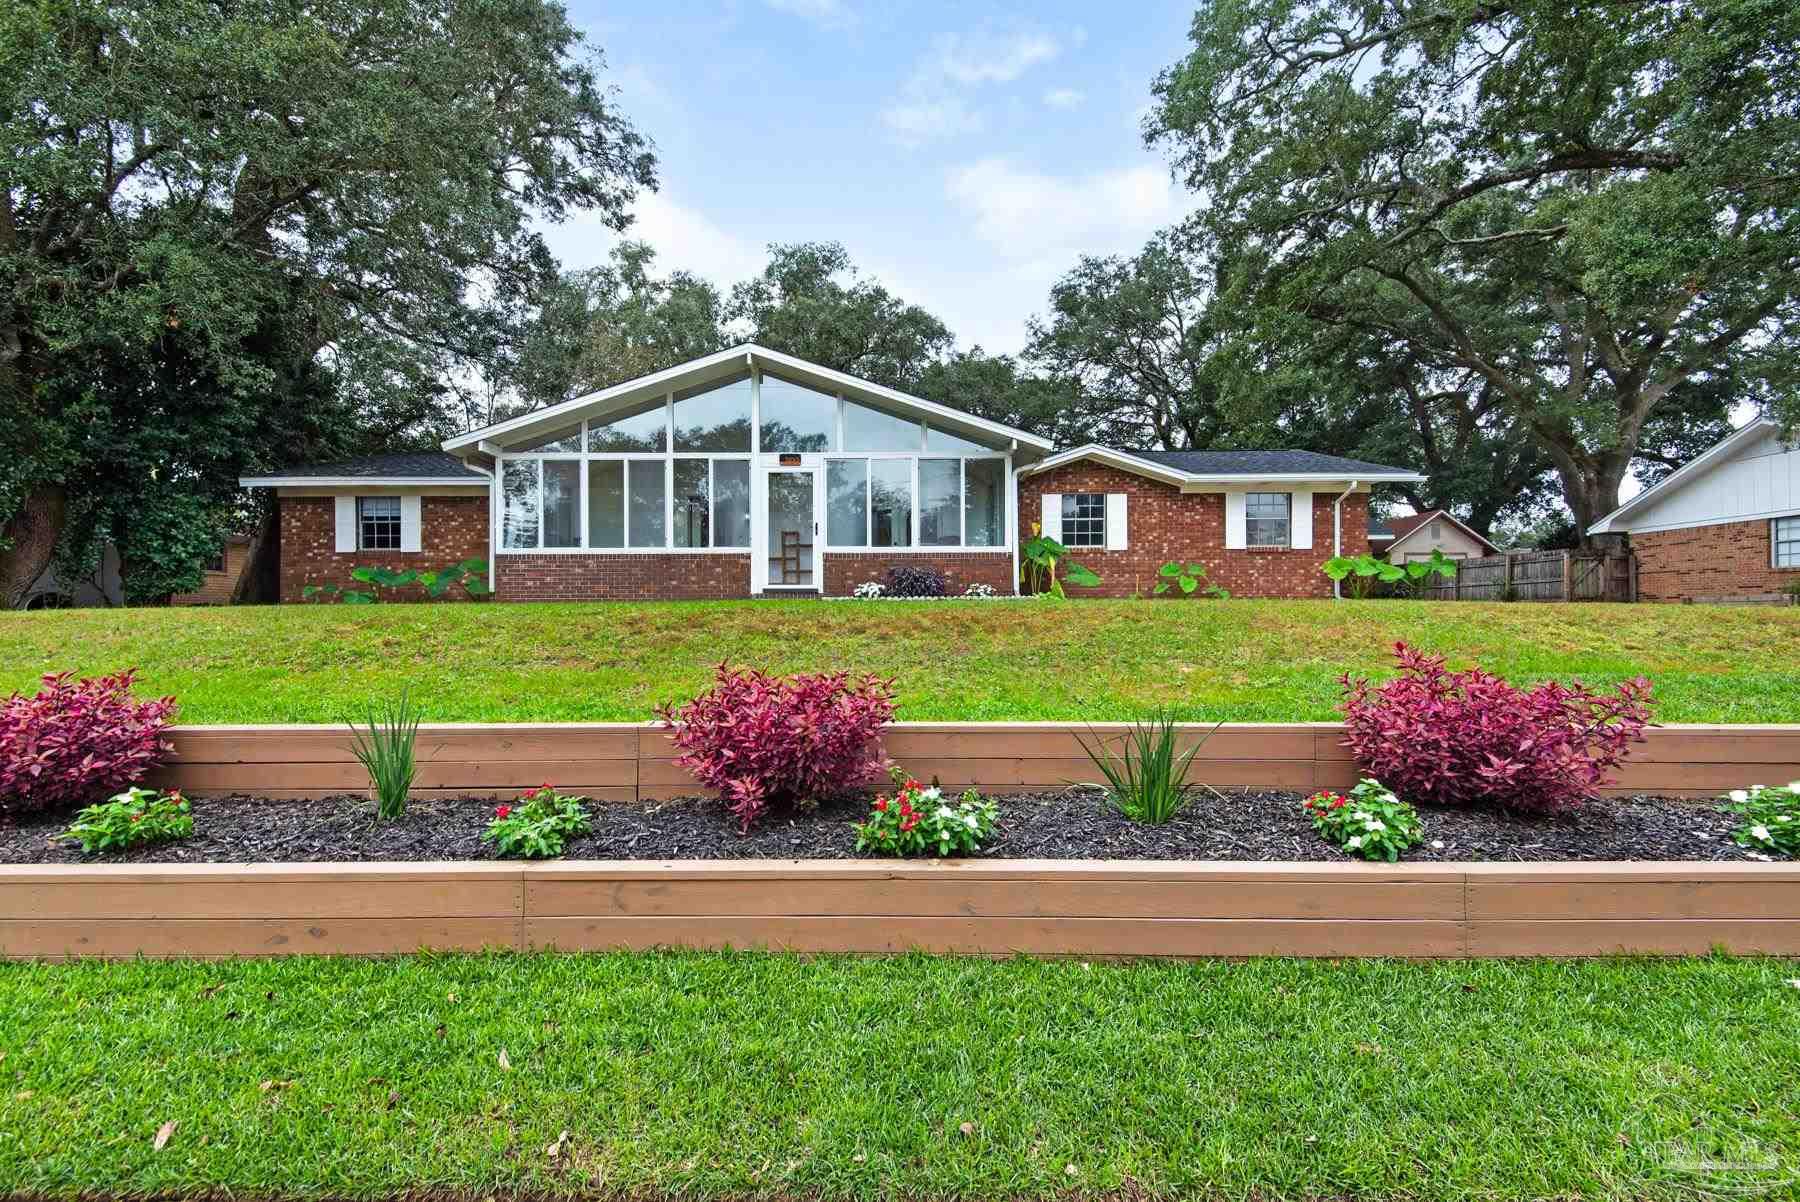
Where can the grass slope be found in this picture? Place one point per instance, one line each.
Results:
(1091, 660)
(710, 1075)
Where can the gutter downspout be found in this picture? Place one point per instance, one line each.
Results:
(1337, 536)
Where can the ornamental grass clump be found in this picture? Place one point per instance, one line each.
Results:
(1147, 779)
(1771, 818)
(1446, 738)
(764, 740)
(385, 747)
(76, 741)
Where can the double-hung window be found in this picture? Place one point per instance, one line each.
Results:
(1084, 519)
(1268, 519)
(1784, 536)
(377, 524)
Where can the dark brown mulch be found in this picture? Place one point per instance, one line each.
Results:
(1074, 824)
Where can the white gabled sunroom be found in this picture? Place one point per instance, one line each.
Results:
(753, 453)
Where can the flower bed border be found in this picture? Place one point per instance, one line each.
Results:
(1057, 908)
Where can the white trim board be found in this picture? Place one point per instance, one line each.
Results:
(1682, 477)
(1205, 481)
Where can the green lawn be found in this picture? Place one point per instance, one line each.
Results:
(708, 1075)
(1092, 660)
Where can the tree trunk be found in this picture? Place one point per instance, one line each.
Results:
(1592, 492)
(32, 534)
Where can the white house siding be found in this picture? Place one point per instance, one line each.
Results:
(1762, 480)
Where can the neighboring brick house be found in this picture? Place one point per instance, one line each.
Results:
(1726, 527)
(753, 473)
(1415, 536)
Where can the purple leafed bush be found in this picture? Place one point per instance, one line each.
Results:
(763, 740)
(1447, 738)
(77, 741)
(913, 581)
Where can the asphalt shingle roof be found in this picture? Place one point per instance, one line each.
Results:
(1261, 463)
(427, 465)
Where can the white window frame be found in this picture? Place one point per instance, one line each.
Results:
(399, 526)
(1286, 543)
(1775, 541)
(1094, 546)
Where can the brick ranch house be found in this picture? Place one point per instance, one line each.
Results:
(1725, 527)
(753, 473)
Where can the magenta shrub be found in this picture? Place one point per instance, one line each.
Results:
(763, 740)
(78, 741)
(1447, 738)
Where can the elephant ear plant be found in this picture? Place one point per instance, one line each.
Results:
(385, 746)
(1365, 571)
(1042, 555)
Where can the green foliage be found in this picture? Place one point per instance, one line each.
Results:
(167, 544)
(538, 827)
(1586, 212)
(1365, 571)
(136, 817)
(1042, 555)
(1771, 815)
(1370, 823)
(385, 748)
(1146, 779)
(239, 235)
(919, 821)
(1189, 578)
(470, 575)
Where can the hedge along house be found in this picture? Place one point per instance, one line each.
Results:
(754, 473)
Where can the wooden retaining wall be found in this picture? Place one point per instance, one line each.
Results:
(986, 908)
(628, 762)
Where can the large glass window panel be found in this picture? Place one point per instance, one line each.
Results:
(645, 483)
(731, 502)
(890, 502)
(644, 427)
(562, 502)
(869, 429)
(606, 503)
(847, 502)
(796, 418)
(1266, 519)
(984, 501)
(566, 439)
(940, 502)
(693, 503)
(956, 444)
(791, 528)
(714, 417)
(519, 497)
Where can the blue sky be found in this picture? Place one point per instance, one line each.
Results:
(964, 154)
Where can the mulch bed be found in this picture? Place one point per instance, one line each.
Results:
(1071, 825)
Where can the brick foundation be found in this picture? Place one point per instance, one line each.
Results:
(843, 572)
(451, 529)
(1727, 560)
(669, 576)
(1166, 523)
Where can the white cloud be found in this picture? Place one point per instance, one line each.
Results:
(685, 240)
(1064, 98)
(933, 103)
(831, 14)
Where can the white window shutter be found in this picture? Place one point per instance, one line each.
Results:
(1236, 524)
(1052, 516)
(346, 523)
(410, 523)
(1115, 521)
(1300, 523)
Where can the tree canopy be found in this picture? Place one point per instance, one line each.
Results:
(236, 234)
(1587, 208)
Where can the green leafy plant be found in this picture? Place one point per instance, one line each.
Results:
(470, 574)
(1189, 578)
(131, 819)
(1364, 572)
(1146, 780)
(1771, 817)
(385, 747)
(539, 826)
(1371, 822)
(1042, 556)
(918, 821)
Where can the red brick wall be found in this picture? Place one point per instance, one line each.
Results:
(671, 576)
(451, 529)
(1166, 523)
(960, 568)
(1729, 560)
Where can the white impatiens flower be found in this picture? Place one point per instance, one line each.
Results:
(1739, 795)
(1437, 844)
(971, 822)
(1761, 834)
(1794, 787)
(945, 812)
(1375, 824)
(1353, 842)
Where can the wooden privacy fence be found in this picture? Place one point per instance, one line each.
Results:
(1539, 576)
(632, 762)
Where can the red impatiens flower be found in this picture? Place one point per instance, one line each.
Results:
(1338, 803)
(137, 817)
(502, 811)
(908, 822)
(881, 804)
(913, 786)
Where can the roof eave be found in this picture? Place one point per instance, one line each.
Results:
(1687, 471)
(362, 481)
(1169, 475)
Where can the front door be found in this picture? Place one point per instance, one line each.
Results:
(791, 529)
